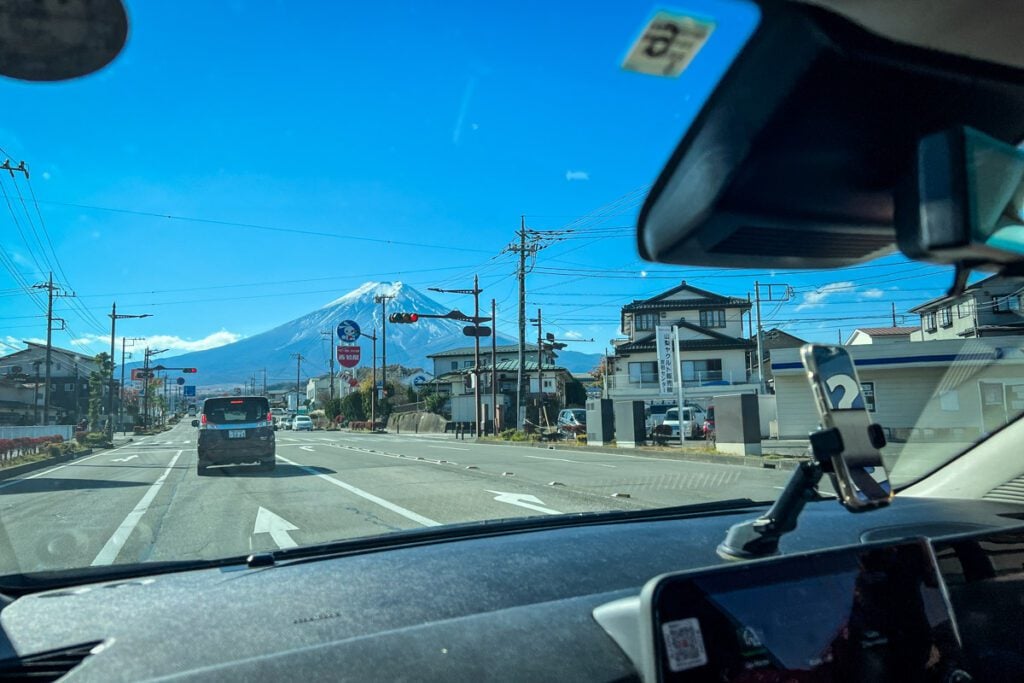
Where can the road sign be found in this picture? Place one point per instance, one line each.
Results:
(181, 381)
(476, 331)
(419, 380)
(348, 356)
(348, 331)
(189, 390)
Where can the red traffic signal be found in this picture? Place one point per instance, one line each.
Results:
(403, 318)
(188, 370)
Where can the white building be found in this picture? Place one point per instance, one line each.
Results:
(712, 350)
(882, 335)
(317, 387)
(952, 390)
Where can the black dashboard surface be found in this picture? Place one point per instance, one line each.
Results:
(502, 606)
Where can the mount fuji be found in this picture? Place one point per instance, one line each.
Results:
(407, 344)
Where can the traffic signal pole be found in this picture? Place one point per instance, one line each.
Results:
(383, 299)
(494, 369)
(476, 355)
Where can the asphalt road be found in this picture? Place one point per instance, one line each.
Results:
(144, 501)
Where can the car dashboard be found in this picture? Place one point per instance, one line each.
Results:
(493, 604)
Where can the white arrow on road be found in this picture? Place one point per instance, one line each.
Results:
(523, 500)
(306, 448)
(278, 527)
(124, 459)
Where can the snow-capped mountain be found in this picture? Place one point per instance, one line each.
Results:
(407, 344)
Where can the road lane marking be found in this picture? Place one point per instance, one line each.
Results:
(306, 448)
(398, 509)
(125, 458)
(523, 500)
(116, 542)
(54, 469)
(578, 462)
(450, 448)
(275, 525)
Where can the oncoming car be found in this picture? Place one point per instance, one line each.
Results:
(236, 430)
(572, 421)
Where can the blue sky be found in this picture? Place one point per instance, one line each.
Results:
(327, 144)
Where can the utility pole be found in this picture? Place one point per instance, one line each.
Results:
(114, 317)
(298, 370)
(893, 313)
(523, 250)
(476, 320)
(680, 387)
(494, 368)
(540, 372)
(373, 381)
(120, 404)
(52, 291)
(383, 299)
(329, 336)
(785, 295)
(264, 381)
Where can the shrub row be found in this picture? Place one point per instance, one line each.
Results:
(26, 445)
(357, 425)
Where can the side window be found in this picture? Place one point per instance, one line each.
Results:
(455, 365)
(947, 316)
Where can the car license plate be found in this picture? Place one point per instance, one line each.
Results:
(236, 433)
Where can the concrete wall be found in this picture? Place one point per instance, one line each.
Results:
(66, 431)
(417, 423)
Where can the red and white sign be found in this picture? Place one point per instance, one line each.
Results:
(348, 356)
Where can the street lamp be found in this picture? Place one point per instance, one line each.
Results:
(114, 317)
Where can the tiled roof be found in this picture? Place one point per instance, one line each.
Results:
(886, 331)
(725, 342)
(484, 349)
(659, 302)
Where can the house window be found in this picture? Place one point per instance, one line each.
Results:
(68, 388)
(714, 317)
(1013, 303)
(455, 365)
(646, 321)
(997, 305)
(928, 320)
(645, 372)
(467, 363)
(709, 370)
(963, 310)
(946, 316)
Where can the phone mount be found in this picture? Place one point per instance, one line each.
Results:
(760, 537)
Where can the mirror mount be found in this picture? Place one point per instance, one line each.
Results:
(760, 537)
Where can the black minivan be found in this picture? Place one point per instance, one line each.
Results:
(236, 430)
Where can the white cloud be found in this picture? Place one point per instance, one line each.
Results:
(873, 293)
(817, 298)
(46, 175)
(571, 334)
(172, 342)
(576, 175)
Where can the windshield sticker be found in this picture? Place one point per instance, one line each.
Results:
(684, 644)
(668, 44)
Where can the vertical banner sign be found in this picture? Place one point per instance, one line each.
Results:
(348, 356)
(663, 344)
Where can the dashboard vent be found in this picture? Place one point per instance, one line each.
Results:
(1010, 492)
(46, 666)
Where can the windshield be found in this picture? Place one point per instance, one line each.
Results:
(416, 227)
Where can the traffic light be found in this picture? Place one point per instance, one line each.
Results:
(188, 370)
(403, 318)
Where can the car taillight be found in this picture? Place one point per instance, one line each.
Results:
(202, 419)
(270, 417)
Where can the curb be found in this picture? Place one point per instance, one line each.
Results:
(756, 461)
(10, 472)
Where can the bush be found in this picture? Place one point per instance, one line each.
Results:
(96, 440)
(507, 434)
(53, 450)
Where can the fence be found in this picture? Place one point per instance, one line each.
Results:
(65, 431)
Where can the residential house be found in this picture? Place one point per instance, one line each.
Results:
(771, 340)
(882, 335)
(712, 350)
(987, 308)
(318, 388)
(460, 358)
(69, 384)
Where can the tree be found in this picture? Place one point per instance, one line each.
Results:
(351, 406)
(333, 408)
(98, 381)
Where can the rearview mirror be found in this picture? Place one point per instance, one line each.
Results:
(963, 201)
(195, 423)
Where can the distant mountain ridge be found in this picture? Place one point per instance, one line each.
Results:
(407, 344)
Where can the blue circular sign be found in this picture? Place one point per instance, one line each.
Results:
(348, 330)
